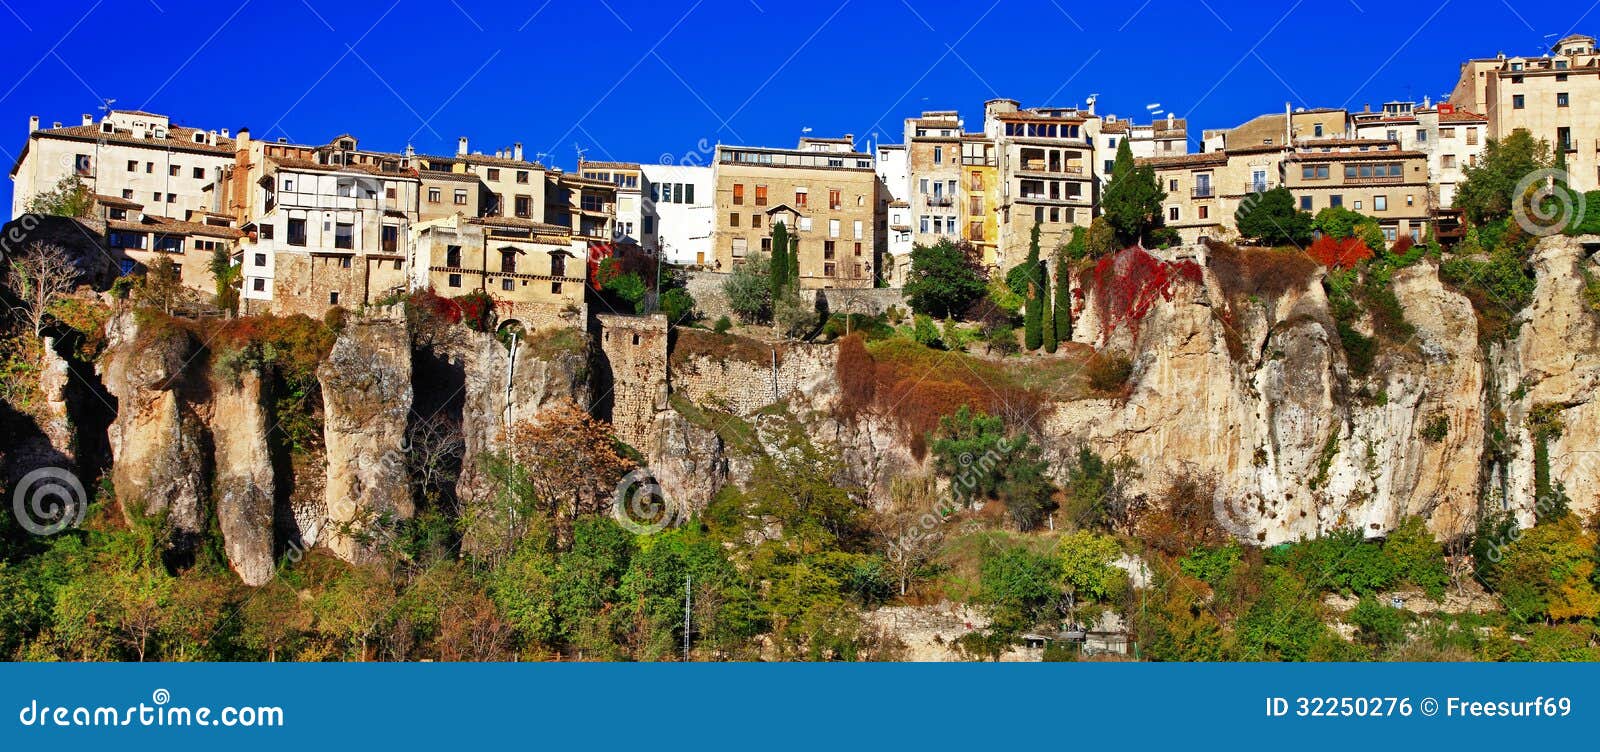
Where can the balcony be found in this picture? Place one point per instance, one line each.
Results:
(1203, 191)
(940, 201)
(1385, 180)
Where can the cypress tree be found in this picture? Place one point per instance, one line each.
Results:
(779, 266)
(1063, 300)
(793, 277)
(1049, 322)
(1033, 314)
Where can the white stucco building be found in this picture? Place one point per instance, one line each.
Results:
(677, 213)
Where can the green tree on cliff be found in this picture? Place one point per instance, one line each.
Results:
(1063, 313)
(1033, 313)
(1132, 200)
(778, 278)
(1048, 324)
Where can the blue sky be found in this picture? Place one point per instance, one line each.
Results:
(639, 80)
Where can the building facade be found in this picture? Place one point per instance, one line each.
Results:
(1045, 162)
(534, 271)
(824, 190)
(678, 211)
(1554, 97)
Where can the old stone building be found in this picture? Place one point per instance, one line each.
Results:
(1555, 97)
(635, 351)
(824, 191)
(534, 270)
(1046, 169)
(136, 156)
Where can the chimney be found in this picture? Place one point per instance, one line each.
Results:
(55, 124)
(88, 119)
(33, 123)
(1169, 121)
(225, 133)
(411, 153)
(242, 140)
(461, 146)
(516, 151)
(1427, 101)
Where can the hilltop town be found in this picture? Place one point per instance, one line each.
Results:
(1062, 385)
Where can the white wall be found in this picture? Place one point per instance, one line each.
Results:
(682, 228)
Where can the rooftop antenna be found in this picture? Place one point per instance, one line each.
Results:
(580, 151)
(105, 104)
(806, 129)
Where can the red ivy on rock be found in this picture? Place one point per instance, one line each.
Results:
(1343, 254)
(1128, 283)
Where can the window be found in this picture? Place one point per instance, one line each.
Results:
(454, 280)
(649, 224)
(524, 206)
(461, 197)
(1564, 139)
(344, 262)
(266, 231)
(1172, 214)
(171, 197)
(833, 228)
(739, 246)
(494, 174)
(127, 193)
(389, 193)
(766, 245)
(829, 269)
(924, 225)
(858, 249)
(1390, 233)
(558, 266)
(1516, 101)
(1305, 203)
(133, 165)
(858, 229)
(495, 205)
(1422, 136)
(1380, 203)
(1203, 212)
(1314, 172)
(755, 220)
(800, 197)
(1472, 136)
(261, 259)
(1447, 133)
(344, 235)
(1561, 99)
(1172, 185)
(805, 224)
(389, 238)
(738, 193)
(555, 288)
(155, 196)
(1357, 205)
(288, 184)
(508, 285)
(297, 231)
(938, 154)
(522, 176)
(258, 284)
(333, 298)
(1316, 130)
(1447, 161)
(827, 249)
(833, 199)
(1336, 200)
(733, 219)
(173, 170)
(686, 194)
(761, 195)
(1410, 200)
(433, 195)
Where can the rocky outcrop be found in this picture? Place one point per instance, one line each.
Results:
(158, 443)
(244, 486)
(1554, 362)
(366, 396)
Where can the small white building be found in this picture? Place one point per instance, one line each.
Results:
(677, 213)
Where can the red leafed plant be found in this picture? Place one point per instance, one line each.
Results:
(1344, 254)
(1128, 283)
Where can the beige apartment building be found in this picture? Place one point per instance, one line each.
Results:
(137, 156)
(1045, 161)
(1453, 139)
(1279, 129)
(627, 178)
(535, 271)
(824, 191)
(980, 201)
(1194, 206)
(1377, 178)
(585, 208)
(933, 154)
(507, 184)
(1555, 97)
(136, 240)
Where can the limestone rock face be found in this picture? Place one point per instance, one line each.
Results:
(366, 394)
(158, 443)
(688, 462)
(244, 485)
(1554, 361)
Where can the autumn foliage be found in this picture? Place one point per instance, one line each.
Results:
(1127, 285)
(1340, 254)
(916, 386)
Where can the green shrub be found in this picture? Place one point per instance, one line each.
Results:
(1109, 372)
(723, 325)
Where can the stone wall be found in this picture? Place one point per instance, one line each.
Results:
(742, 375)
(712, 303)
(634, 351)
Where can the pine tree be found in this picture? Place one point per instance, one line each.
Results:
(779, 277)
(1132, 200)
(1063, 306)
(1032, 318)
(1049, 311)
